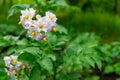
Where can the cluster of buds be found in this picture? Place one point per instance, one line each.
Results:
(37, 27)
(13, 66)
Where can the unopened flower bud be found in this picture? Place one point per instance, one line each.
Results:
(44, 39)
(54, 29)
(9, 74)
(19, 22)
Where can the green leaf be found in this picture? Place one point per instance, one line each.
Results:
(2, 64)
(27, 57)
(108, 69)
(22, 42)
(17, 8)
(2, 75)
(61, 29)
(94, 77)
(117, 67)
(90, 61)
(33, 50)
(60, 43)
(10, 50)
(4, 43)
(47, 64)
(35, 73)
(38, 43)
(97, 60)
(24, 77)
(52, 39)
(99, 64)
(11, 39)
(61, 3)
(53, 57)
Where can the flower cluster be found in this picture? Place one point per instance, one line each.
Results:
(37, 27)
(13, 66)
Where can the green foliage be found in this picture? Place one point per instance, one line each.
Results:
(35, 74)
(17, 8)
(108, 69)
(2, 75)
(93, 78)
(26, 57)
(81, 53)
(46, 63)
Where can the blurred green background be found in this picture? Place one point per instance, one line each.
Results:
(99, 16)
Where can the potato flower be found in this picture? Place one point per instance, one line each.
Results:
(26, 17)
(33, 32)
(37, 28)
(13, 66)
(51, 16)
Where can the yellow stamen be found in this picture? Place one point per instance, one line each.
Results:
(40, 26)
(54, 29)
(44, 39)
(8, 74)
(26, 17)
(19, 22)
(33, 33)
(14, 61)
(50, 17)
(23, 66)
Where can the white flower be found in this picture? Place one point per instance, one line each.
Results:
(33, 32)
(14, 67)
(51, 26)
(26, 23)
(51, 21)
(44, 24)
(18, 64)
(41, 24)
(14, 59)
(38, 17)
(28, 13)
(7, 61)
(38, 27)
(51, 16)
(9, 73)
(26, 16)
